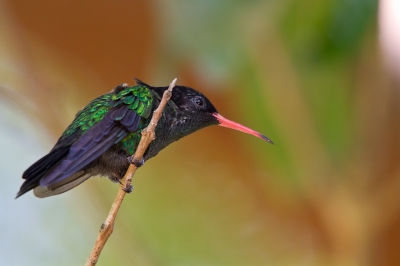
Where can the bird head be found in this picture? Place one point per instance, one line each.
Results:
(198, 112)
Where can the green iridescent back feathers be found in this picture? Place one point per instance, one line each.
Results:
(137, 98)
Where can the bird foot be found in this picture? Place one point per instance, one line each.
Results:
(128, 189)
(137, 163)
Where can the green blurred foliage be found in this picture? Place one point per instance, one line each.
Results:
(324, 42)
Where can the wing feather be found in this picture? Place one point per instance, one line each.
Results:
(107, 120)
(34, 173)
(94, 143)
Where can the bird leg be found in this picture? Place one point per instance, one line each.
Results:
(127, 189)
(116, 178)
(132, 160)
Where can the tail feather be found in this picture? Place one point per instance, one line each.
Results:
(61, 186)
(34, 173)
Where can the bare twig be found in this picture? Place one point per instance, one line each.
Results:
(148, 136)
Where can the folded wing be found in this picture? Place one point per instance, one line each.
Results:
(66, 160)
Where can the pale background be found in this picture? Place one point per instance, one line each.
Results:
(308, 74)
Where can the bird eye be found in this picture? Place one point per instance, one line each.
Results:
(198, 101)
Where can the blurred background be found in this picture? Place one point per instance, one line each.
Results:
(320, 78)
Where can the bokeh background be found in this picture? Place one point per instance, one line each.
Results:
(317, 77)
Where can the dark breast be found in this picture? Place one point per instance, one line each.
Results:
(112, 164)
(165, 133)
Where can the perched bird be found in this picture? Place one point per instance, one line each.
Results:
(105, 134)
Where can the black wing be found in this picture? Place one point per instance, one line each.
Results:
(63, 162)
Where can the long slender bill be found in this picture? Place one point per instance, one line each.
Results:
(233, 125)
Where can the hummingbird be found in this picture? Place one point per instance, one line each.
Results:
(104, 135)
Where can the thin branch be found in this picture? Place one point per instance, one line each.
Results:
(148, 136)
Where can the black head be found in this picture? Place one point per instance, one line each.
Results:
(198, 112)
(186, 98)
(187, 111)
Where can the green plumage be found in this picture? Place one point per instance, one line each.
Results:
(137, 98)
(130, 143)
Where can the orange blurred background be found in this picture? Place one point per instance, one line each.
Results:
(308, 74)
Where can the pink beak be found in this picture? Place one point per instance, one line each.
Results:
(233, 125)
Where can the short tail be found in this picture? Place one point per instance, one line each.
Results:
(34, 173)
(61, 186)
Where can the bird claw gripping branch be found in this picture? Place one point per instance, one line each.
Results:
(132, 160)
